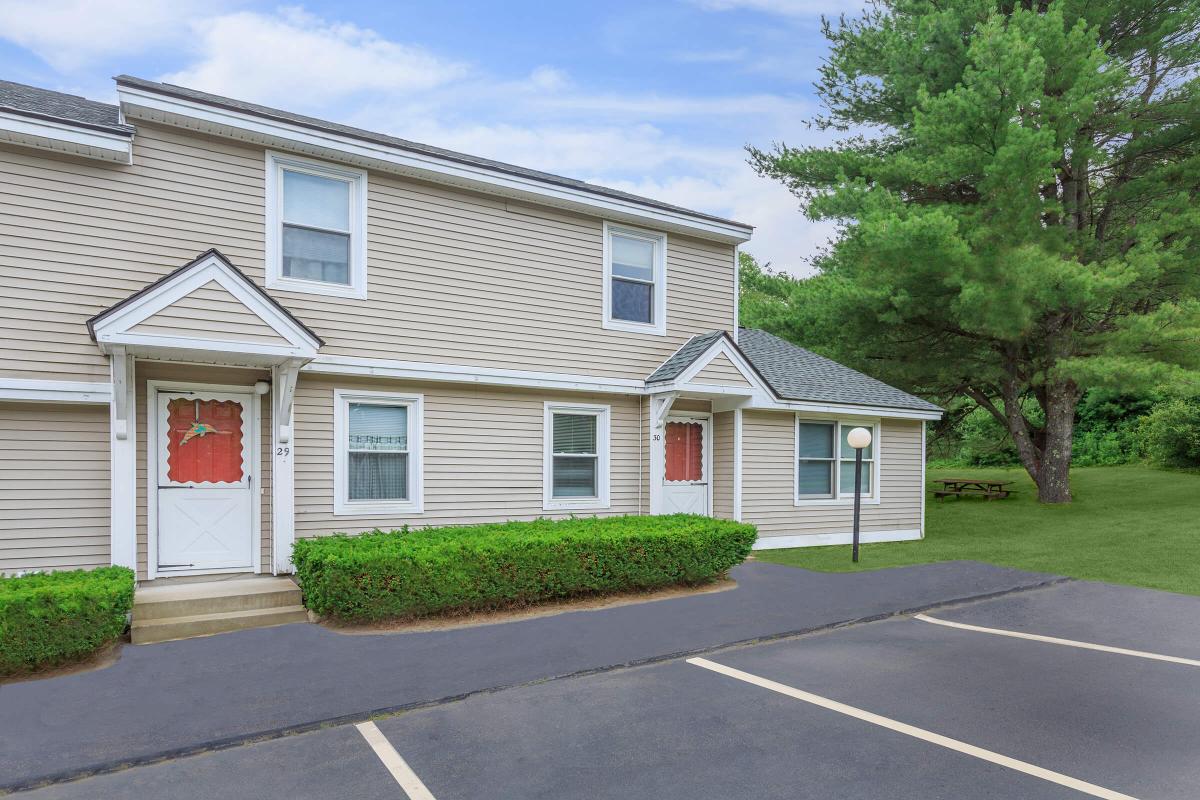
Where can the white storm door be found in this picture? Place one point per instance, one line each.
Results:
(205, 481)
(685, 466)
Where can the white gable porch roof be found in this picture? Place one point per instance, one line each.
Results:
(207, 311)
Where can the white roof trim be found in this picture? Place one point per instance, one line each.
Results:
(456, 373)
(62, 137)
(117, 328)
(684, 382)
(144, 104)
(527, 379)
(47, 391)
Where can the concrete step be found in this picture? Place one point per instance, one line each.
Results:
(146, 631)
(214, 597)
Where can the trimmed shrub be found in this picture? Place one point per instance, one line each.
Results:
(403, 574)
(48, 619)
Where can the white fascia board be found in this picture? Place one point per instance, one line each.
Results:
(45, 134)
(845, 409)
(137, 103)
(147, 343)
(45, 391)
(455, 373)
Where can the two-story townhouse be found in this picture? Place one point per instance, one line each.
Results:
(226, 326)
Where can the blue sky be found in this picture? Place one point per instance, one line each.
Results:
(657, 98)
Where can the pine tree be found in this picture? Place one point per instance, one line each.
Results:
(1017, 187)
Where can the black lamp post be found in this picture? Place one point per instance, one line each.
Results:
(858, 438)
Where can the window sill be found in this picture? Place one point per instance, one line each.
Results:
(575, 505)
(635, 327)
(317, 287)
(375, 509)
(838, 501)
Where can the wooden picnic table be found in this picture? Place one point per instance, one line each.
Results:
(979, 487)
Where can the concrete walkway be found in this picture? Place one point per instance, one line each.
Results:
(180, 697)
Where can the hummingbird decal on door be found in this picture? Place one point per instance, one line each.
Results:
(197, 430)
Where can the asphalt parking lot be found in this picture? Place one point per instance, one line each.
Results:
(1072, 690)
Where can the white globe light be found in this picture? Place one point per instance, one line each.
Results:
(858, 438)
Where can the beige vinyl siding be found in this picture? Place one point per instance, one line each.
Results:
(482, 454)
(721, 372)
(453, 276)
(721, 483)
(192, 374)
(691, 404)
(210, 312)
(54, 487)
(768, 480)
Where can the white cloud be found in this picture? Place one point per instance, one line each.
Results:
(71, 34)
(671, 147)
(293, 57)
(661, 107)
(783, 236)
(789, 8)
(709, 56)
(585, 151)
(546, 78)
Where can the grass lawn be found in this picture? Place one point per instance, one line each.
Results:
(1130, 524)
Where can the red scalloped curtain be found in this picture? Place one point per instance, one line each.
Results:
(685, 451)
(204, 441)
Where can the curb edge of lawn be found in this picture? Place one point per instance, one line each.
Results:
(226, 743)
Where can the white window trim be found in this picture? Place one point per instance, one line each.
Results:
(840, 498)
(603, 414)
(659, 239)
(276, 162)
(342, 505)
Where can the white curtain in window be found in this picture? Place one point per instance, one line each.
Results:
(378, 452)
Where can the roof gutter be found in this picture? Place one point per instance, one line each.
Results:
(45, 132)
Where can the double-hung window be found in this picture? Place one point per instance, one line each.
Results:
(377, 456)
(315, 227)
(575, 473)
(846, 470)
(634, 280)
(825, 460)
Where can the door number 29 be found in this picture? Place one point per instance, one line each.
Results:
(283, 451)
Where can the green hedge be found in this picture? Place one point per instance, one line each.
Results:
(48, 619)
(403, 574)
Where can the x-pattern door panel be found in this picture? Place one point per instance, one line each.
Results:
(205, 481)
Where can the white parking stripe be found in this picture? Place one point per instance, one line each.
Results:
(918, 733)
(1191, 662)
(396, 765)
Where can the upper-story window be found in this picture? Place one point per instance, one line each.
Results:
(316, 227)
(635, 280)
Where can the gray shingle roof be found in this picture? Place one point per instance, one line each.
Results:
(404, 144)
(670, 369)
(34, 102)
(794, 373)
(798, 374)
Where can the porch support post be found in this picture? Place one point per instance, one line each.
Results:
(737, 464)
(283, 465)
(660, 407)
(122, 447)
